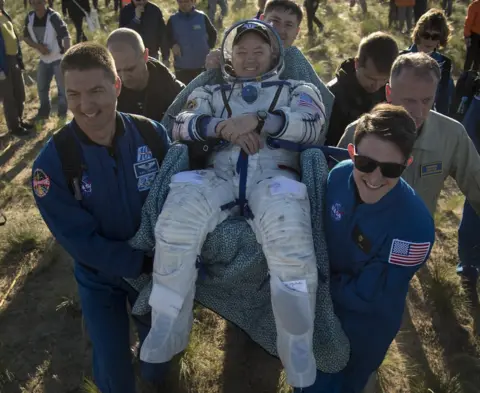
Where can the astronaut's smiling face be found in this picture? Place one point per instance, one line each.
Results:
(374, 186)
(251, 56)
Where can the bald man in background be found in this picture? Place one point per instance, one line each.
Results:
(148, 87)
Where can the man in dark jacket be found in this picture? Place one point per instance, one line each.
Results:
(12, 88)
(76, 11)
(360, 82)
(148, 87)
(146, 19)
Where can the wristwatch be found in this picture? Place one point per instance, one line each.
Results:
(262, 118)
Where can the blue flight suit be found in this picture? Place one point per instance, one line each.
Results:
(374, 250)
(469, 229)
(95, 232)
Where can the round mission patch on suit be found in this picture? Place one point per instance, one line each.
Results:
(192, 104)
(41, 183)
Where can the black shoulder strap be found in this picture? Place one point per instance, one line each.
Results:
(273, 104)
(71, 159)
(225, 101)
(150, 136)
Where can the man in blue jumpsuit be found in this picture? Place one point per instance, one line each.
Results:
(94, 220)
(468, 232)
(379, 233)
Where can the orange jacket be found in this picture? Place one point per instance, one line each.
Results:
(472, 21)
(405, 3)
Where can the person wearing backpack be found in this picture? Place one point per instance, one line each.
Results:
(89, 183)
(76, 9)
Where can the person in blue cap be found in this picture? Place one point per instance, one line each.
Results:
(379, 233)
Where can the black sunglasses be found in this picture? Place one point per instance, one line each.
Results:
(431, 36)
(366, 164)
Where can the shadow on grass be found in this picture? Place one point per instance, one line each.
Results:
(41, 349)
(26, 160)
(410, 345)
(247, 366)
(460, 352)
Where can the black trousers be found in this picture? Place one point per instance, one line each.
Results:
(312, 6)
(78, 23)
(419, 9)
(186, 75)
(12, 93)
(472, 59)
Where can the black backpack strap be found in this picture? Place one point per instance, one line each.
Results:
(150, 135)
(71, 158)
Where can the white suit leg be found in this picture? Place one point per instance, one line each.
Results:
(191, 210)
(282, 225)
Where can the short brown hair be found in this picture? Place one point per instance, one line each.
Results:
(389, 123)
(381, 48)
(422, 65)
(285, 5)
(433, 20)
(87, 56)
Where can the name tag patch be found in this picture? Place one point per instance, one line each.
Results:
(433, 168)
(197, 27)
(145, 168)
(144, 153)
(145, 182)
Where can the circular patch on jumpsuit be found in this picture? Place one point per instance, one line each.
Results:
(192, 104)
(250, 94)
(336, 211)
(40, 183)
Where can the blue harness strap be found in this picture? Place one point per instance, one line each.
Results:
(242, 170)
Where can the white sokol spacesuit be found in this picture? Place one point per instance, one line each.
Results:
(280, 211)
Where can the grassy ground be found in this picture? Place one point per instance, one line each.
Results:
(43, 348)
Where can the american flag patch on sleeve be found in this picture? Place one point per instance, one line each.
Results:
(305, 100)
(405, 253)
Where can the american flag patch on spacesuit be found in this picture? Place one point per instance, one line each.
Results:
(407, 253)
(305, 100)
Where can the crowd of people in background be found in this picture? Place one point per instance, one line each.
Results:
(384, 106)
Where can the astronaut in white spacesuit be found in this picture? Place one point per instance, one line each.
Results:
(244, 174)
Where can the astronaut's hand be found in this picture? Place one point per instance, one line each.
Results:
(234, 127)
(250, 143)
(213, 59)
